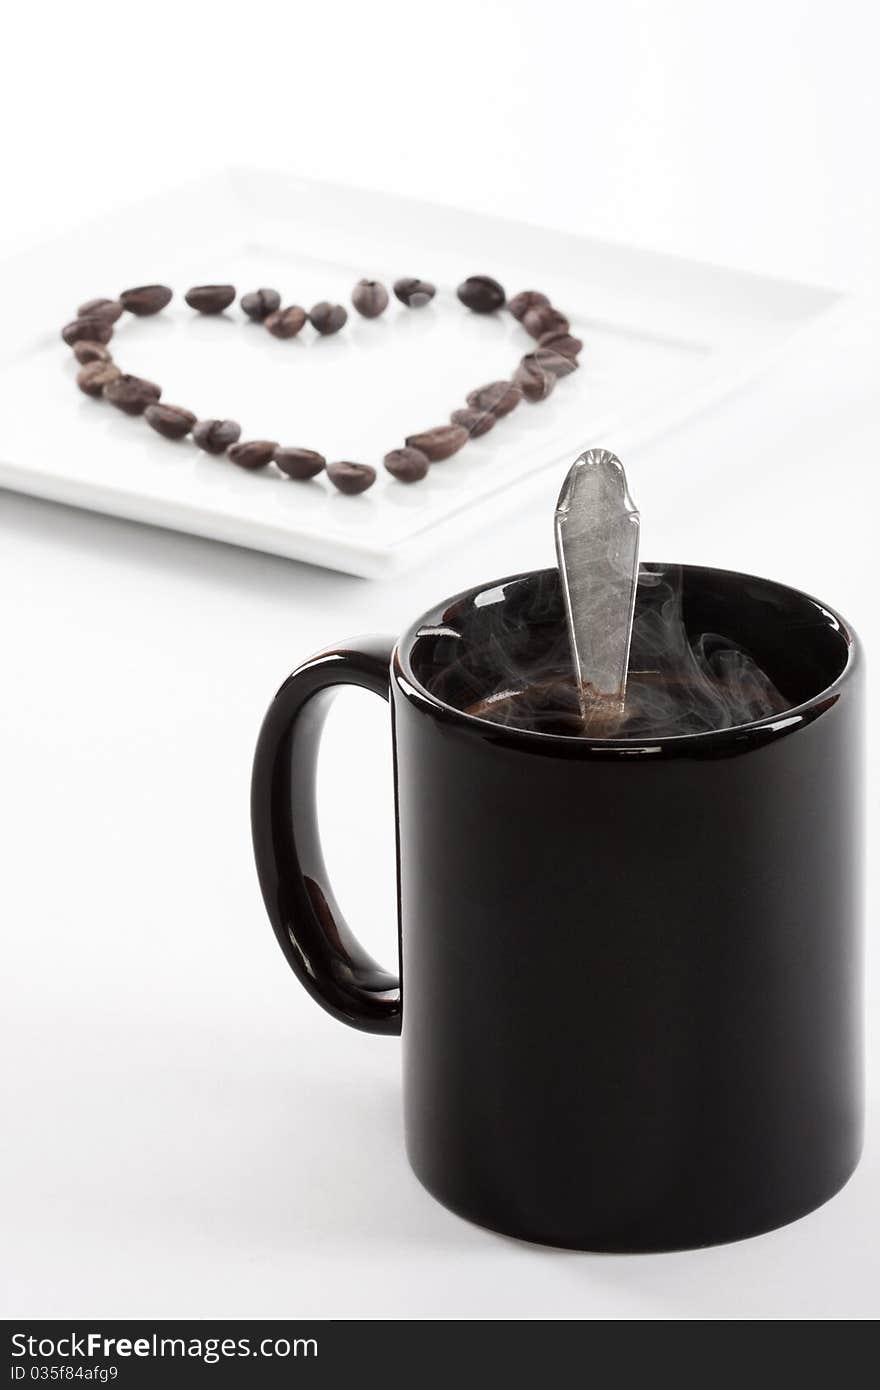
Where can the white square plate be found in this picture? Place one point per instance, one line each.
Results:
(663, 338)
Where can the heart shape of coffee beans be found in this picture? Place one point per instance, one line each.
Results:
(536, 374)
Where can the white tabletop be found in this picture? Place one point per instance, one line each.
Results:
(190, 1136)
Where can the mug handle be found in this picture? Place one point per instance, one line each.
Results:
(312, 932)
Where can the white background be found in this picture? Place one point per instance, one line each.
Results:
(188, 1135)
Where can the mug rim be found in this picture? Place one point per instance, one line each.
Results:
(736, 738)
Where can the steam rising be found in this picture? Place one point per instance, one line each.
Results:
(517, 671)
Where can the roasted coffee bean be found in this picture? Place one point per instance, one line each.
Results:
(132, 393)
(109, 309)
(414, 293)
(544, 319)
(252, 453)
(94, 376)
(285, 323)
(215, 436)
(533, 380)
(501, 397)
(91, 330)
(407, 465)
(521, 303)
(259, 304)
(476, 422)
(171, 421)
(351, 478)
(552, 361)
(145, 299)
(369, 298)
(327, 318)
(300, 463)
(86, 351)
(210, 299)
(565, 343)
(481, 293)
(439, 443)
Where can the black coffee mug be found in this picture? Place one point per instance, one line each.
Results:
(630, 970)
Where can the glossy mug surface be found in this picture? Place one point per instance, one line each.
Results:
(629, 984)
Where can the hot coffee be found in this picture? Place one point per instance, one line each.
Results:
(511, 664)
(628, 981)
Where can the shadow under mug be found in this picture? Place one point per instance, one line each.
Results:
(629, 985)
